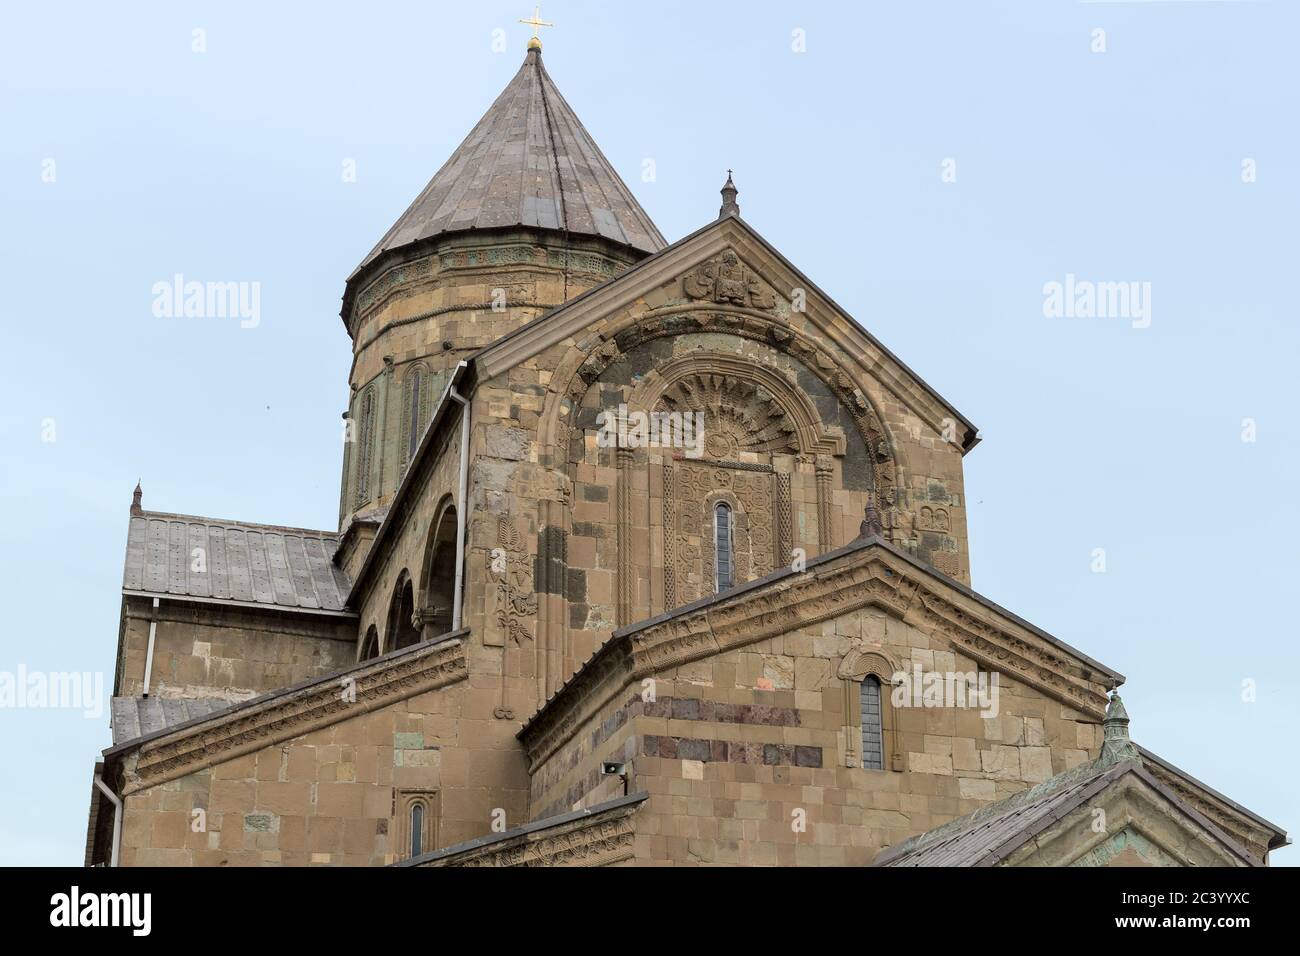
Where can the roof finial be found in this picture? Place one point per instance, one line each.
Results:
(536, 22)
(729, 205)
(1116, 745)
(136, 498)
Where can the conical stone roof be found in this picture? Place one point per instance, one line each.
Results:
(528, 162)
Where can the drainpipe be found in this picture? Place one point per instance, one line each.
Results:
(148, 657)
(117, 816)
(462, 506)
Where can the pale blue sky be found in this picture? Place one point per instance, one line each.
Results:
(1115, 166)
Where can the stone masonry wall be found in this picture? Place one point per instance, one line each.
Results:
(205, 650)
(732, 747)
(332, 796)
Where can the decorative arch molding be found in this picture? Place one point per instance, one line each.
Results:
(861, 661)
(578, 372)
(719, 382)
(855, 667)
(368, 648)
(401, 630)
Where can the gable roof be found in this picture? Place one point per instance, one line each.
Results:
(252, 565)
(528, 162)
(989, 835)
(867, 572)
(1277, 835)
(572, 317)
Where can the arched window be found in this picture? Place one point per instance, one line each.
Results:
(415, 822)
(415, 411)
(439, 591)
(370, 646)
(415, 418)
(417, 828)
(401, 629)
(365, 437)
(723, 560)
(873, 737)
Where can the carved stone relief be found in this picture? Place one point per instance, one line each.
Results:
(514, 601)
(725, 279)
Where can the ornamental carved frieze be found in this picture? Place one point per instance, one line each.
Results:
(603, 351)
(602, 840)
(726, 280)
(830, 593)
(391, 279)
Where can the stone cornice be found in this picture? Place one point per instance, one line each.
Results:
(601, 836)
(273, 718)
(866, 574)
(594, 685)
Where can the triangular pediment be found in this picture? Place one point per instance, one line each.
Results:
(725, 275)
(868, 574)
(1098, 814)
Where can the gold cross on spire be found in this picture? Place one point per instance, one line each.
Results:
(536, 21)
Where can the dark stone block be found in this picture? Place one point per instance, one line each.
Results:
(548, 565)
(771, 754)
(640, 360)
(691, 749)
(575, 585)
(650, 746)
(718, 751)
(807, 756)
(686, 708)
(595, 493)
(668, 747)
(578, 616)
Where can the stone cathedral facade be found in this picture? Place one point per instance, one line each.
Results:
(530, 645)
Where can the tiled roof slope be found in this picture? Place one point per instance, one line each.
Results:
(140, 716)
(240, 562)
(978, 838)
(528, 162)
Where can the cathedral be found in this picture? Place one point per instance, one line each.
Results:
(545, 634)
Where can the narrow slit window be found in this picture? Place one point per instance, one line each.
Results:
(873, 751)
(722, 547)
(365, 437)
(417, 829)
(413, 413)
